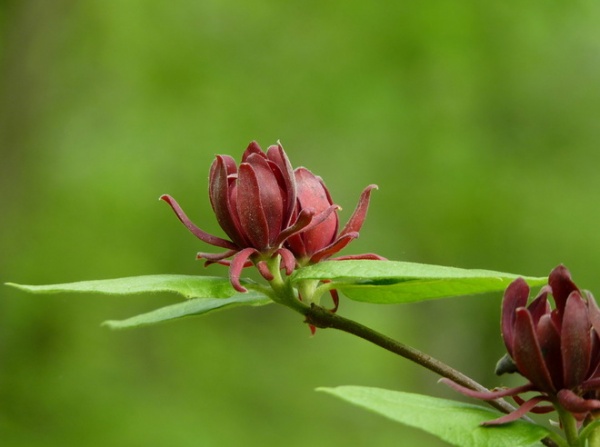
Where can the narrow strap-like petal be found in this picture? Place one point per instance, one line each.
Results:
(518, 413)
(527, 353)
(220, 191)
(576, 344)
(515, 296)
(486, 395)
(250, 209)
(562, 286)
(237, 264)
(332, 249)
(359, 215)
(576, 404)
(202, 235)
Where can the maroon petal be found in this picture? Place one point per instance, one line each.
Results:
(253, 148)
(575, 340)
(360, 212)
(306, 221)
(576, 404)
(202, 235)
(250, 209)
(594, 311)
(562, 286)
(515, 296)
(237, 264)
(221, 195)
(289, 234)
(270, 193)
(278, 156)
(527, 353)
(215, 257)
(540, 306)
(312, 193)
(550, 344)
(486, 395)
(288, 262)
(519, 412)
(338, 245)
(542, 409)
(263, 269)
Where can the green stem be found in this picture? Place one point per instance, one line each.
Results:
(569, 425)
(322, 318)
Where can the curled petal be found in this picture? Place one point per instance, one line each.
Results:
(518, 413)
(486, 395)
(339, 244)
(576, 404)
(515, 296)
(202, 235)
(237, 264)
(288, 262)
(211, 258)
(542, 409)
(576, 344)
(222, 198)
(562, 286)
(263, 269)
(360, 212)
(527, 353)
(306, 221)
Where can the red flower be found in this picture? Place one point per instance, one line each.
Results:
(558, 350)
(255, 205)
(322, 241)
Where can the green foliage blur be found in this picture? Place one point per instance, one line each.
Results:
(479, 121)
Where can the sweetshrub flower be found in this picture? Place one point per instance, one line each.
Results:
(556, 350)
(323, 241)
(263, 203)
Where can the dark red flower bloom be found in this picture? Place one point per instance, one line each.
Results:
(557, 350)
(255, 204)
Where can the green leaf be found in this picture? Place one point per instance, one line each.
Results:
(455, 422)
(390, 282)
(189, 308)
(188, 286)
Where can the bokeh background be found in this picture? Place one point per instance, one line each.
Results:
(479, 121)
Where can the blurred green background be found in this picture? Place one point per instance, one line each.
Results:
(478, 121)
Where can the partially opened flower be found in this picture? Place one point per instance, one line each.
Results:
(255, 204)
(322, 241)
(556, 350)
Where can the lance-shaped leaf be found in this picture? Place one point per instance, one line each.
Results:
(206, 294)
(390, 282)
(186, 285)
(457, 423)
(189, 308)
